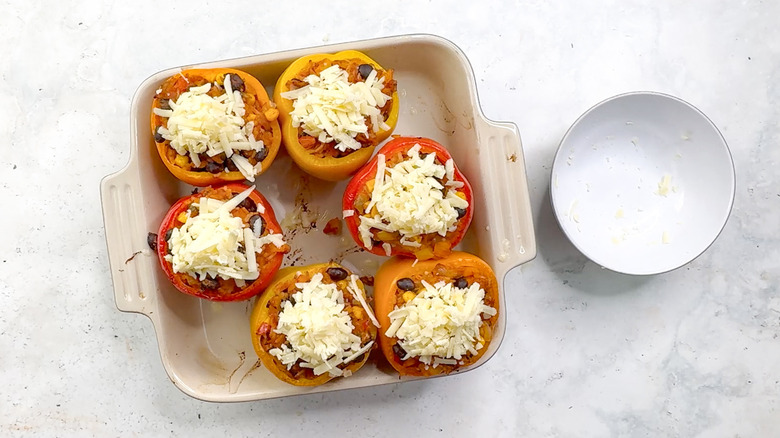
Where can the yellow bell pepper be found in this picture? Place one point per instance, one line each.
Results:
(329, 168)
(265, 318)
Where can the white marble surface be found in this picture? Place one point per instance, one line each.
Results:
(694, 352)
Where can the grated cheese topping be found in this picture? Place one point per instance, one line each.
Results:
(330, 108)
(354, 289)
(318, 329)
(199, 123)
(441, 323)
(409, 199)
(207, 245)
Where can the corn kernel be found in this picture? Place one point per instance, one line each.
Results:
(461, 195)
(424, 253)
(271, 114)
(385, 236)
(358, 312)
(181, 161)
(182, 217)
(408, 296)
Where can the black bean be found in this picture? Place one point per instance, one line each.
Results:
(167, 236)
(237, 83)
(249, 204)
(365, 70)
(165, 104)
(213, 167)
(461, 212)
(209, 283)
(230, 165)
(399, 350)
(405, 283)
(151, 240)
(461, 283)
(257, 224)
(157, 136)
(261, 154)
(336, 274)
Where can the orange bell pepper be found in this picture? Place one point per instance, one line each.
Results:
(399, 280)
(265, 318)
(259, 109)
(268, 262)
(328, 166)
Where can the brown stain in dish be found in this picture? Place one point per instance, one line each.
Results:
(215, 367)
(241, 360)
(339, 257)
(300, 221)
(257, 365)
(447, 117)
(132, 257)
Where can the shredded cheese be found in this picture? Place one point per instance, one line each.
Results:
(440, 323)
(409, 199)
(318, 329)
(331, 108)
(198, 124)
(354, 289)
(664, 186)
(207, 245)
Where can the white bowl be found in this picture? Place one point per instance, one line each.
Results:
(642, 183)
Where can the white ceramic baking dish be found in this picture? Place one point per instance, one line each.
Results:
(205, 346)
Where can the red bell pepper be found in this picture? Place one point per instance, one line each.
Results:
(268, 260)
(359, 191)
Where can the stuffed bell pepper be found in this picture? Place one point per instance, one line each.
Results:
(410, 200)
(435, 316)
(313, 324)
(222, 243)
(215, 125)
(334, 109)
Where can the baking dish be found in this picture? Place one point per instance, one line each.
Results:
(205, 346)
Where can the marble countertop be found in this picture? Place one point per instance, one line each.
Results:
(588, 353)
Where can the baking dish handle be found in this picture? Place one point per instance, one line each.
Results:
(508, 224)
(130, 258)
